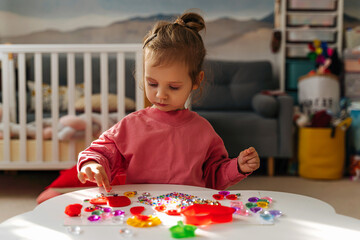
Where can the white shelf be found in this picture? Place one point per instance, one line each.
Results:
(300, 26)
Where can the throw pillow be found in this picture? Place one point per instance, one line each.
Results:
(46, 95)
(96, 103)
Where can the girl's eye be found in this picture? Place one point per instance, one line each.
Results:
(174, 88)
(152, 84)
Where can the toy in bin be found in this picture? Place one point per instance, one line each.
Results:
(204, 214)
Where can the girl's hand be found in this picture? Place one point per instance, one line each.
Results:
(248, 160)
(94, 172)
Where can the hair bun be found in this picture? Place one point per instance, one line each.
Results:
(191, 20)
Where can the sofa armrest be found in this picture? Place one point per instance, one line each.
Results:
(285, 126)
(265, 105)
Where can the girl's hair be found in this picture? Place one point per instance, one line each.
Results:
(177, 41)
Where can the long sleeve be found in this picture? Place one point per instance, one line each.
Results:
(220, 171)
(105, 151)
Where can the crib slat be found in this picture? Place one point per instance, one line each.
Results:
(71, 82)
(138, 77)
(38, 107)
(22, 105)
(87, 96)
(104, 79)
(120, 61)
(12, 103)
(6, 109)
(71, 96)
(55, 106)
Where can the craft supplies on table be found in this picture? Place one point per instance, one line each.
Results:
(181, 213)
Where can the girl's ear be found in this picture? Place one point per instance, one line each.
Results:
(199, 79)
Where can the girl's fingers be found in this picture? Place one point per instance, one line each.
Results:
(105, 180)
(90, 175)
(82, 177)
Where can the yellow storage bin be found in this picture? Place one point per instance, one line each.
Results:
(321, 155)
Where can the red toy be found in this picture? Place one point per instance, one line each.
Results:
(73, 210)
(204, 214)
(218, 196)
(137, 210)
(118, 201)
(99, 201)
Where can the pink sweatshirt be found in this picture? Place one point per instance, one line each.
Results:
(177, 147)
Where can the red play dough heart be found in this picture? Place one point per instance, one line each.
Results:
(118, 201)
(137, 210)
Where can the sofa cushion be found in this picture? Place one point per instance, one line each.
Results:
(232, 85)
(265, 105)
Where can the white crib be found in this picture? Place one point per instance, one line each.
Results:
(40, 154)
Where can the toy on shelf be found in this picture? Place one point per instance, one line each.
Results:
(326, 58)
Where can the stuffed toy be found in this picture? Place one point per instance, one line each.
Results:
(70, 127)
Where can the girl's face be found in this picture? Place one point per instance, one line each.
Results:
(168, 87)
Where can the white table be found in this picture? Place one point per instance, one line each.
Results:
(304, 218)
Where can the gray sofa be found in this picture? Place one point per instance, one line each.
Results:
(241, 114)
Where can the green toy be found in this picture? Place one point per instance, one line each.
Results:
(182, 231)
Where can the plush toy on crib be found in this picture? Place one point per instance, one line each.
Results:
(70, 127)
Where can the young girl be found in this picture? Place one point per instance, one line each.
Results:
(166, 143)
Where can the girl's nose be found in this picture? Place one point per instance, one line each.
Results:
(161, 94)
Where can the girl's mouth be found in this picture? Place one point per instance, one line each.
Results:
(161, 105)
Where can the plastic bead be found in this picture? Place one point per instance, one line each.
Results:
(143, 221)
(160, 208)
(97, 212)
(251, 205)
(94, 218)
(225, 193)
(253, 199)
(130, 194)
(125, 232)
(255, 209)
(182, 231)
(218, 196)
(75, 230)
(118, 213)
(262, 204)
(268, 198)
(89, 209)
(119, 219)
(242, 212)
(231, 197)
(275, 213)
(263, 200)
(267, 216)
